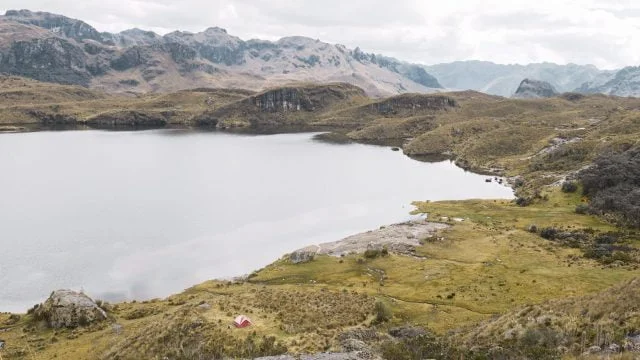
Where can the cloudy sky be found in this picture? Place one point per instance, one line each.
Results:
(601, 32)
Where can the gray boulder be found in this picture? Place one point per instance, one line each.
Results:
(302, 256)
(69, 309)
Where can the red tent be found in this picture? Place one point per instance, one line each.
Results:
(242, 321)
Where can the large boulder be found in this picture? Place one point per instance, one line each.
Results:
(69, 309)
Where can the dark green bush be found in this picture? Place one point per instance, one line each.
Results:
(582, 209)
(613, 186)
(569, 187)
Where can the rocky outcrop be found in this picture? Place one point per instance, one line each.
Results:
(400, 238)
(69, 309)
(302, 256)
(290, 105)
(283, 99)
(534, 89)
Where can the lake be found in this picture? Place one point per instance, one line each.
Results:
(142, 214)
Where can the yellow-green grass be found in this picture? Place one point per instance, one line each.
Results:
(489, 261)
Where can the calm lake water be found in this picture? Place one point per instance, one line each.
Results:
(134, 215)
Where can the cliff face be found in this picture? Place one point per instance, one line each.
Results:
(284, 99)
(56, 48)
(534, 89)
(51, 59)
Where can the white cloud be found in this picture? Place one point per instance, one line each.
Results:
(604, 33)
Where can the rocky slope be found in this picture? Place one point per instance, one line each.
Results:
(503, 80)
(534, 89)
(73, 52)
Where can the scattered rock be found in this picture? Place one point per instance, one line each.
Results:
(614, 348)
(349, 345)
(69, 309)
(203, 307)
(594, 350)
(395, 149)
(407, 332)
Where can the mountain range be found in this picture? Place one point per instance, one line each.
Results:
(50, 47)
(56, 48)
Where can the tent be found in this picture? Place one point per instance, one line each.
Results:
(242, 321)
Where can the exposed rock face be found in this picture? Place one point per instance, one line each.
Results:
(51, 59)
(56, 48)
(70, 309)
(403, 237)
(302, 256)
(283, 99)
(534, 89)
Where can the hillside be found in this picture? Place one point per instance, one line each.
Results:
(134, 60)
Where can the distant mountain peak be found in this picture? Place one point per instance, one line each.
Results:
(215, 30)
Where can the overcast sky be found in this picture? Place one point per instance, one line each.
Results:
(600, 32)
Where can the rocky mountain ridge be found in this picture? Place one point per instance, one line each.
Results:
(504, 80)
(625, 82)
(55, 48)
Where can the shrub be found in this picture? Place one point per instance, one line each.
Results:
(523, 201)
(569, 187)
(582, 209)
(371, 253)
(382, 311)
